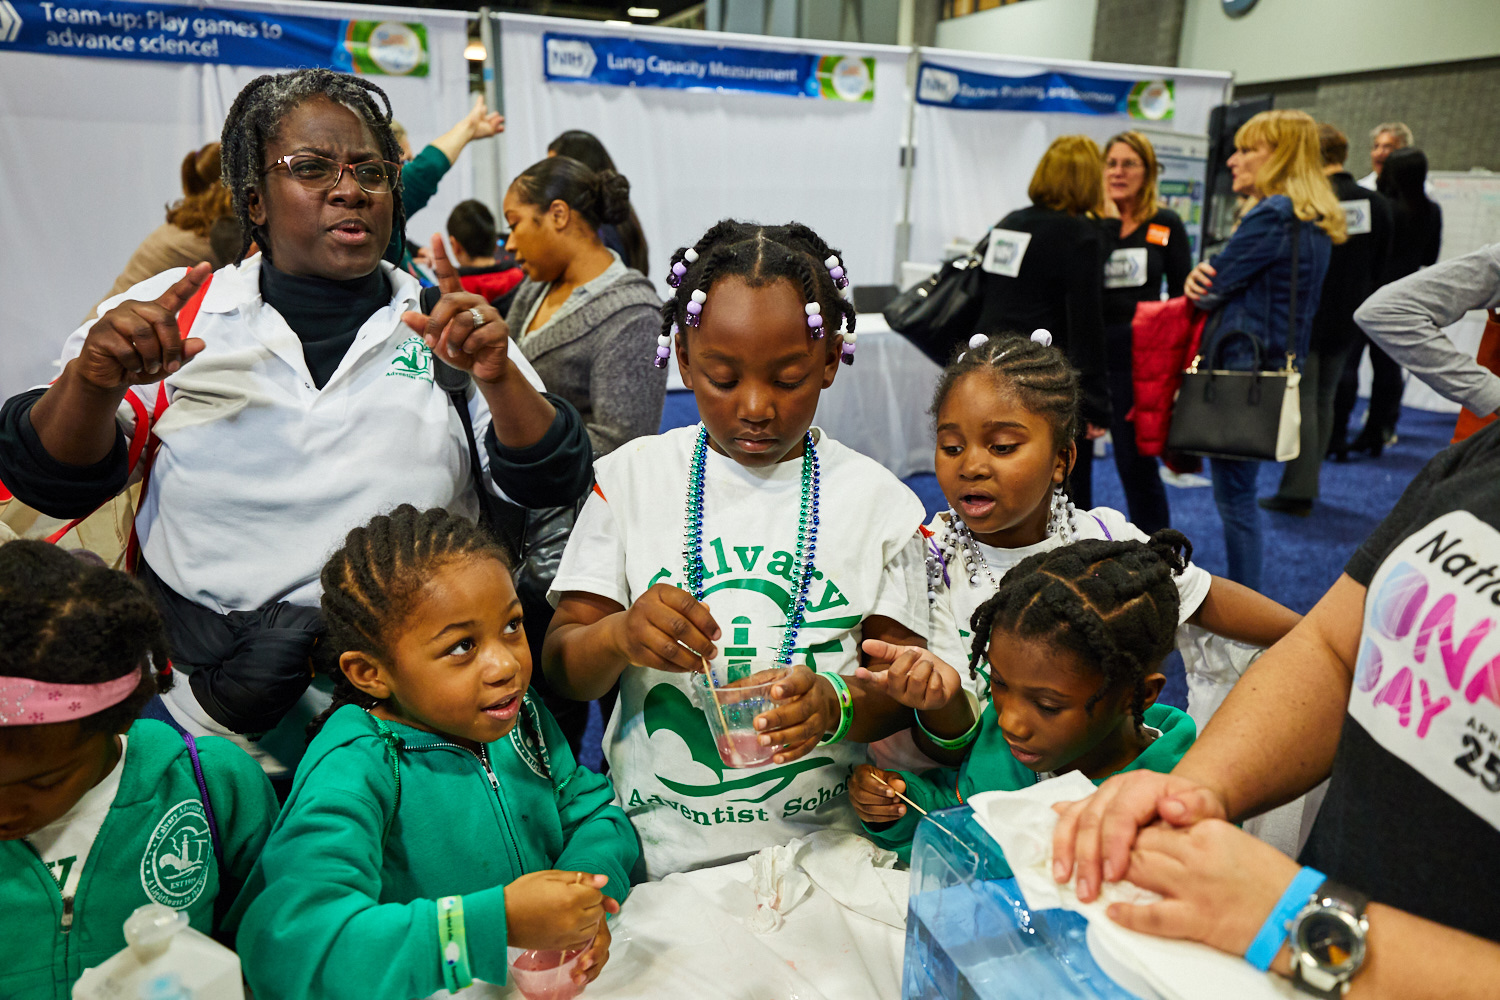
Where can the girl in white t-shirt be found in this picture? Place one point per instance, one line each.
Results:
(752, 540)
(1007, 415)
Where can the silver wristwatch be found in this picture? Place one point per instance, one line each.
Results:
(1328, 940)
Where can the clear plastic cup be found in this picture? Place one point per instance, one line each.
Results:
(546, 975)
(732, 722)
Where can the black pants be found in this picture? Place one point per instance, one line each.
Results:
(1322, 381)
(1145, 495)
(1385, 393)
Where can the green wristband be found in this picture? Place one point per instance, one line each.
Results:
(846, 709)
(453, 943)
(958, 742)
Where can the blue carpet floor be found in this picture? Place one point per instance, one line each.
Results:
(1304, 555)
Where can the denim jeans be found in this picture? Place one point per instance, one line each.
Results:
(1234, 495)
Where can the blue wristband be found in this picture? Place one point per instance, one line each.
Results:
(1262, 951)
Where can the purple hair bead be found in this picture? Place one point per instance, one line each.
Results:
(678, 270)
(846, 355)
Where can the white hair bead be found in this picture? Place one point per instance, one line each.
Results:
(831, 262)
(699, 296)
(664, 341)
(850, 338)
(977, 341)
(1041, 337)
(812, 309)
(690, 255)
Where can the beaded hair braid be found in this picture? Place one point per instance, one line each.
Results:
(1113, 603)
(760, 255)
(256, 115)
(372, 582)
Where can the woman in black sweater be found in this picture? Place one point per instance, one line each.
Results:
(1045, 270)
(1150, 246)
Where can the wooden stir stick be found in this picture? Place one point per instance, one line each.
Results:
(713, 692)
(941, 826)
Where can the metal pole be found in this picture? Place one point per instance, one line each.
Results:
(494, 94)
(908, 162)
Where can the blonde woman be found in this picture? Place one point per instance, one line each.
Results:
(1045, 270)
(1278, 167)
(1150, 247)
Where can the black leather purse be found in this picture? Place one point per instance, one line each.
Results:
(942, 311)
(1252, 415)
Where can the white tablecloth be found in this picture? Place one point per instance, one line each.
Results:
(878, 405)
(686, 938)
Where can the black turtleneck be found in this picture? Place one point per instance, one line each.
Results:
(323, 313)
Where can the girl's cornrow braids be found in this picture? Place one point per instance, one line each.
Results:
(370, 583)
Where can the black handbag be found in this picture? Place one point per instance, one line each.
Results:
(1251, 415)
(942, 311)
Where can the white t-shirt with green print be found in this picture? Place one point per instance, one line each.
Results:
(689, 809)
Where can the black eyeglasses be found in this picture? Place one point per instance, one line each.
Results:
(319, 173)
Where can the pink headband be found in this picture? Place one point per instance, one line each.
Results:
(25, 702)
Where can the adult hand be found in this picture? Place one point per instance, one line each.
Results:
(591, 962)
(666, 629)
(483, 123)
(1094, 432)
(911, 675)
(1095, 834)
(1220, 884)
(808, 708)
(137, 343)
(555, 911)
(1199, 281)
(463, 329)
(872, 792)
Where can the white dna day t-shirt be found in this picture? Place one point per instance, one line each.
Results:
(64, 844)
(689, 809)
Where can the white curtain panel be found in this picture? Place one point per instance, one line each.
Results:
(974, 166)
(90, 156)
(695, 157)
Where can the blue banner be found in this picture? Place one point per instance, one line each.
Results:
(172, 33)
(631, 62)
(944, 86)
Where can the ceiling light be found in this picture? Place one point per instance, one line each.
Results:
(643, 12)
(624, 23)
(474, 51)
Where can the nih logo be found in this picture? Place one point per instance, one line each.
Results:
(568, 57)
(10, 22)
(938, 86)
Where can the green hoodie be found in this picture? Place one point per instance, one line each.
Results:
(380, 825)
(991, 767)
(156, 821)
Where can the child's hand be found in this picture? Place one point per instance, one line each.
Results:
(591, 962)
(655, 629)
(911, 675)
(809, 709)
(871, 795)
(555, 911)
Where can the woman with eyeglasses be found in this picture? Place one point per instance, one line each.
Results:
(302, 402)
(1151, 246)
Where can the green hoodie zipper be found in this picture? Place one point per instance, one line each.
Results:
(483, 757)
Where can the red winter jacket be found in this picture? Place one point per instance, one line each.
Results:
(1164, 340)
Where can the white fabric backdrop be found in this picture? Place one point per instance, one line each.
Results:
(90, 155)
(974, 166)
(694, 157)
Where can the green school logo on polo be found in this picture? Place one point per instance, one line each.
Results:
(412, 360)
(174, 868)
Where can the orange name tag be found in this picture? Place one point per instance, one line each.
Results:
(1158, 235)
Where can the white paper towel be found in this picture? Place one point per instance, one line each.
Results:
(1022, 822)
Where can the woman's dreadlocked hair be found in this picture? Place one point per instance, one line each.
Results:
(371, 584)
(256, 116)
(761, 255)
(1041, 376)
(67, 621)
(1112, 603)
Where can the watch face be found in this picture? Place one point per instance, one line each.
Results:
(1333, 940)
